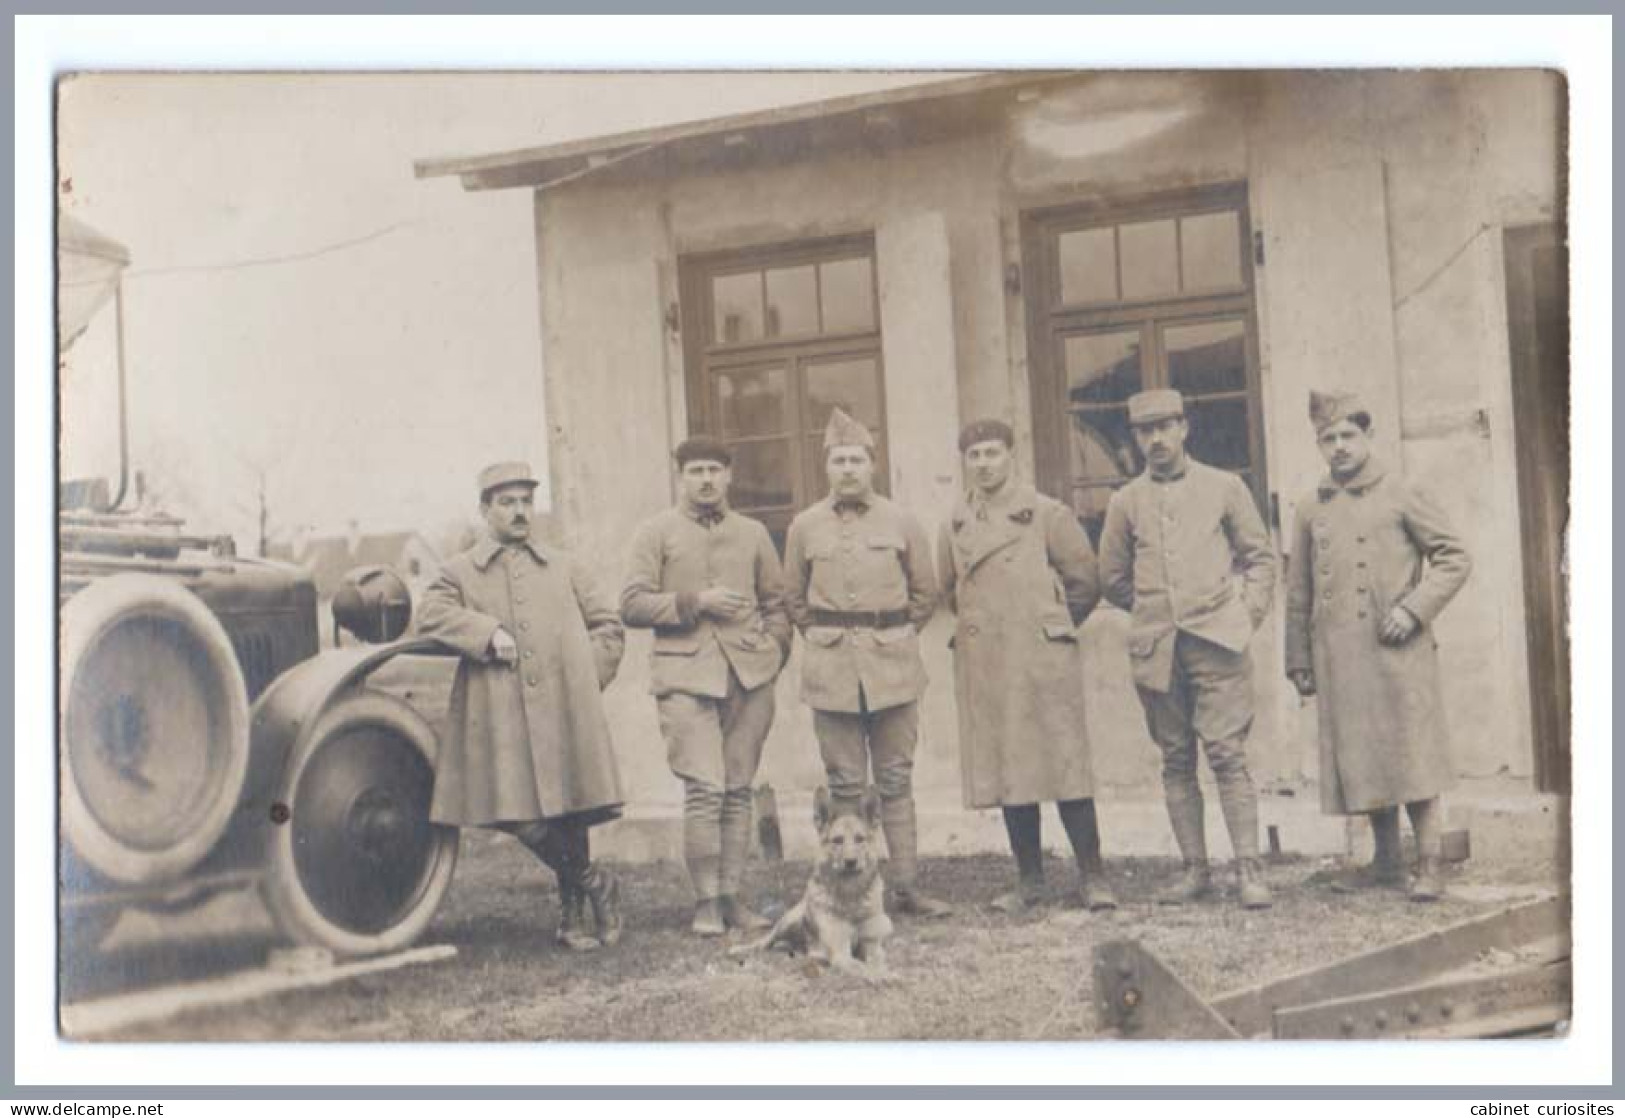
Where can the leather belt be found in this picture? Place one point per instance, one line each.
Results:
(858, 619)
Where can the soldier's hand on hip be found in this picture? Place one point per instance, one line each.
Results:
(1303, 680)
(503, 648)
(720, 601)
(1398, 627)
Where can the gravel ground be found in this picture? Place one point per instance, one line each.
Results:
(977, 975)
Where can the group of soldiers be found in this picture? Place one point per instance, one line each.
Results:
(1183, 550)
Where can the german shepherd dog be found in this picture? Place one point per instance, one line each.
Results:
(841, 918)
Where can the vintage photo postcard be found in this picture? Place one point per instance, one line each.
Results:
(1006, 555)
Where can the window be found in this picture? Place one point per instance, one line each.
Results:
(773, 339)
(1151, 294)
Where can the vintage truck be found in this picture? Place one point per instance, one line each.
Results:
(206, 741)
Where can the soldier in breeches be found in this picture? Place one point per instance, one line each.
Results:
(527, 749)
(1374, 561)
(1020, 576)
(708, 581)
(1173, 539)
(859, 586)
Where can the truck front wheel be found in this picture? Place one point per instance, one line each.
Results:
(355, 865)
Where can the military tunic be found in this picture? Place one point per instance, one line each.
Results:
(1169, 552)
(1018, 572)
(1361, 548)
(525, 741)
(705, 671)
(869, 557)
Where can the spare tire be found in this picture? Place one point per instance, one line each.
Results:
(154, 746)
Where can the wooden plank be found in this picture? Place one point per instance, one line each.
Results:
(1140, 998)
(121, 1011)
(1419, 959)
(1479, 1006)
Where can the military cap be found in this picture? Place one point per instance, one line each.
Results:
(1327, 408)
(1155, 405)
(985, 430)
(506, 473)
(843, 430)
(702, 448)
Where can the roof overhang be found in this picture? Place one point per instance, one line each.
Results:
(912, 114)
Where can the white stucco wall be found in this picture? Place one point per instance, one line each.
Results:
(1380, 199)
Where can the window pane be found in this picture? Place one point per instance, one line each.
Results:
(792, 301)
(1150, 264)
(761, 475)
(737, 301)
(1102, 447)
(751, 401)
(1210, 249)
(848, 291)
(1088, 267)
(1103, 368)
(852, 384)
(1219, 433)
(1207, 357)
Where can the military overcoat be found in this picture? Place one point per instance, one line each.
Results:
(871, 557)
(524, 741)
(1020, 576)
(1362, 547)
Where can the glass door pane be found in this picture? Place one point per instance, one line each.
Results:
(1207, 361)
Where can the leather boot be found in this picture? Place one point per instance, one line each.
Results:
(1239, 802)
(1250, 884)
(739, 917)
(603, 892)
(1021, 824)
(1083, 831)
(1387, 866)
(1186, 815)
(708, 918)
(897, 821)
(575, 930)
(1428, 884)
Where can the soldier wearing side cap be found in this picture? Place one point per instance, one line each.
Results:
(859, 585)
(527, 750)
(708, 582)
(1173, 541)
(1374, 562)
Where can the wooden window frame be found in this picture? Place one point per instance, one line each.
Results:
(1050, 321)
(704, 357)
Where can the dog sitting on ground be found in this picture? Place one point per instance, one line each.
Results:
(841, 918)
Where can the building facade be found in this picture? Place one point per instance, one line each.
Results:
(1038, 247)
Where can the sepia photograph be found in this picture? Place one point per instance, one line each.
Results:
(843, 555)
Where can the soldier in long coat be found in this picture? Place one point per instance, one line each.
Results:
(1173, 541)
(527, 748)
(1018, 571)
(709, 584)
(1374, 563)
(859, 585)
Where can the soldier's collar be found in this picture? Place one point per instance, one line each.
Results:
(1370, 473)
(856, 504)
(1017, 500)
(488, 549)
(704, 517)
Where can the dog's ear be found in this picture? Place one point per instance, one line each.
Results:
(871, 807)
(823, 807)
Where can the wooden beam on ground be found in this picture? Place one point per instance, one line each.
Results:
(1422, 958)
(301, 971)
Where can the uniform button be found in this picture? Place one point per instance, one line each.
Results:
(532, 681)
(520, 599)
(524, 625)
(1327, 595)
(851, 597)
(1325, 570)
(529, 655)
(1362, 614)
(970, 630)
(1359, 539)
